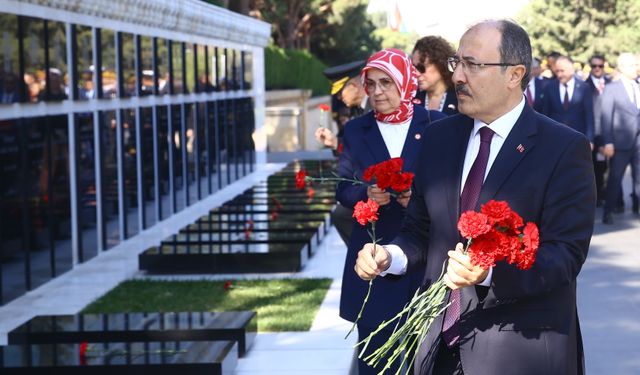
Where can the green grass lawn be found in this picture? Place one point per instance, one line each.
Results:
(282, 305)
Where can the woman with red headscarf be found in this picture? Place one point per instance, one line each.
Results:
(392, 129)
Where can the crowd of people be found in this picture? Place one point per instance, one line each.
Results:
(539, 134)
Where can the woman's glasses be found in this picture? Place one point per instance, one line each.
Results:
(420, 67)
(384, 84)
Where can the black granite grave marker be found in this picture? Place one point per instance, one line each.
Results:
(131, 358)
(240, 326)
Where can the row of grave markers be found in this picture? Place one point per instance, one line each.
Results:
(272, 227)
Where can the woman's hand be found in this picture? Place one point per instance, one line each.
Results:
(403, 198)
(327, 138)
(378, 195)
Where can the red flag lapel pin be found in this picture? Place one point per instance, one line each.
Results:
(520, 148)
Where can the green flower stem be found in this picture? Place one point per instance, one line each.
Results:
(419, 314)
(366, 297)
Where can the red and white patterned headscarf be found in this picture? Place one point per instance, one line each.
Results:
(397, 65)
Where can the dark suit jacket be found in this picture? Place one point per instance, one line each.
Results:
(363, 147)
(450, 103)
(526, 321)
(579, 116)
(540, 84)
(620, 117)
(597, 113)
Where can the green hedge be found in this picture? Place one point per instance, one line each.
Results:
(294, 69)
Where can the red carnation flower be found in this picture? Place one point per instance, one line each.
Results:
(484, 250)
(227, 285)
(369, 173)
(276, 203)
(274, 215)
(324, 107)
(531, 241)
(473, 224)
(366, 212)
(311, 193)
(82, 351)
(301, 177)
(402, 181)
(496, 211)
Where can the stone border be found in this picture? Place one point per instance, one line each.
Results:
(185, 16)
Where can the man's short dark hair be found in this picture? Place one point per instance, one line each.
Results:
(553, 55)
(597, 56)
(515, 48)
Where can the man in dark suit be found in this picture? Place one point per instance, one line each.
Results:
(569, 100)
(521, 322)
(596, 82)
(620, 118)
(534, 92)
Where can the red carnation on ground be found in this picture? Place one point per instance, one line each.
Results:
(311, 193)
(301, 178)
(366, 212)
(82, 351)
(227, 285)
(276, 203)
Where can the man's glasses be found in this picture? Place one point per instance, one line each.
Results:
(420, 67)
(470, 67)
(384, 84)
(593, 66)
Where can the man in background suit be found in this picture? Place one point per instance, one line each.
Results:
(346, 89)
(534, 92)
(522, 322)
(569, 100)
(620, 106)
(596, 81)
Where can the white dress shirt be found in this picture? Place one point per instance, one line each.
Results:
(502, 127)
(394, 136)
(570, 86)
(598, 83)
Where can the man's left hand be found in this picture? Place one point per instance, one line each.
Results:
(460, 271)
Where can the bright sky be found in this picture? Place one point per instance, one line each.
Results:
(447, 18)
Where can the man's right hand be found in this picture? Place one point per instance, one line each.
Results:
(370, 264)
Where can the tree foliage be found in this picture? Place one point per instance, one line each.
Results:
(346, 35)
(581, 28)
(335, 31)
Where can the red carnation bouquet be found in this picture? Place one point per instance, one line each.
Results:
(386, 175)
(366, 213)
(494, 234)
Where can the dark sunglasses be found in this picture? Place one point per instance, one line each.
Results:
(420, 67)
(593, 66)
